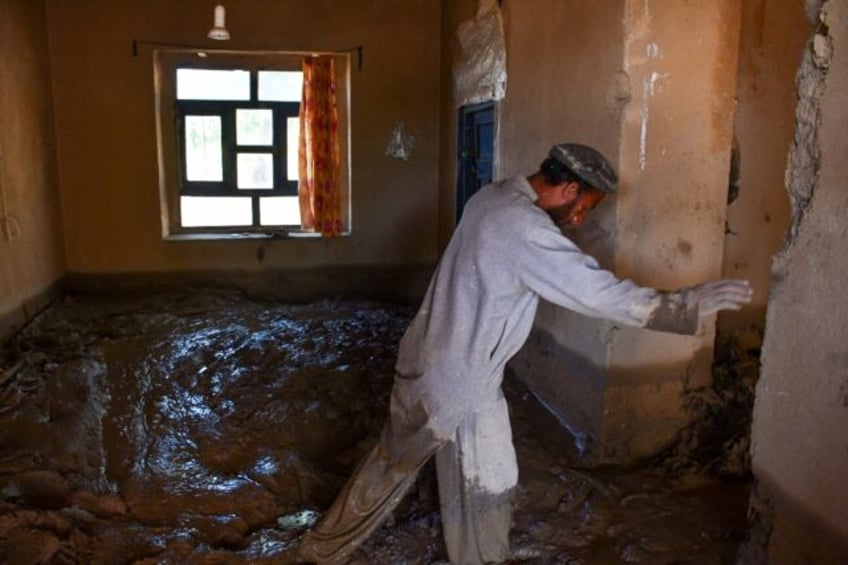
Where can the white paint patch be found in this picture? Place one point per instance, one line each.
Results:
(655, 79)
(651, 85)
(645, 114)
(653, 50)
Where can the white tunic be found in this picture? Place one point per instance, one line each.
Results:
(481, 302)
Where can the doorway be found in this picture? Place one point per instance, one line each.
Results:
(475, 147)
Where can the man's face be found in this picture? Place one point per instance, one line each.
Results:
(573, 213)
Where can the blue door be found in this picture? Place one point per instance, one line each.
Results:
(476, 149)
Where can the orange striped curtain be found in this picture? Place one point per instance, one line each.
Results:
(319, 188)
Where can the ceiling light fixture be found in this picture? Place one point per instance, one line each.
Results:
(219, 29)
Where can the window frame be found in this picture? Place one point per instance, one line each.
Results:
(226, 110)
(170, 112)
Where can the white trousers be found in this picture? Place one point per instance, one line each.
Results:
(477, 475)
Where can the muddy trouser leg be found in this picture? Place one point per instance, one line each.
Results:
(477, 473)
(376, 487)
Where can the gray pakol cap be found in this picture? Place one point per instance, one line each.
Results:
(586, 163)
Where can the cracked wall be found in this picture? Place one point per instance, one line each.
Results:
(799, 435)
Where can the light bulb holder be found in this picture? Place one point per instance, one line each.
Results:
(219, 33)
(219, 29)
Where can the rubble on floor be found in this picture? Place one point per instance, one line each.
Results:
(717, 444)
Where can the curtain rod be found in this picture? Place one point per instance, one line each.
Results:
(138, 43)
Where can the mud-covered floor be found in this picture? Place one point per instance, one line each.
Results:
(205, 427)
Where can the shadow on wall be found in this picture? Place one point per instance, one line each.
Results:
(683, 429)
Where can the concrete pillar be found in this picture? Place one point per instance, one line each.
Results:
(620, 389)
(677, 131)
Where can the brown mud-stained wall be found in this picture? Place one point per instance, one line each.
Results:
(556, 93)
(800, 436)
(676, 140)
(107, 136)
(770, 47)
(454, 13)
(658, 99)
(31, 254)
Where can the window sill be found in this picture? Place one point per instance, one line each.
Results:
(213, 236)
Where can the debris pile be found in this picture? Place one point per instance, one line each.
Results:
(717, 444)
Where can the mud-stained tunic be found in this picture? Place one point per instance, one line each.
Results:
(447, 399)
(479, 308)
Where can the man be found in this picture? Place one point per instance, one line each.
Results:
(506, 253)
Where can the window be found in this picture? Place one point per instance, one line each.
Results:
(237, 147)
(228, 142)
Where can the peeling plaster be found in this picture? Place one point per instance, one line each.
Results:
(799, 459)
(802, 171)
(619, 94)
(813, 9)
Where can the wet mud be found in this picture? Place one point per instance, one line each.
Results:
(205, 427)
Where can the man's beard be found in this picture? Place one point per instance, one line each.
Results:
(561, 215)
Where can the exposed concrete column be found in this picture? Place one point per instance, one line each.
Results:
(677, 131)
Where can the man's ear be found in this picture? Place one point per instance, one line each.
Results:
(570, 190)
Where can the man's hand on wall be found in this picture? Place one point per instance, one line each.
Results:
(725, 294)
